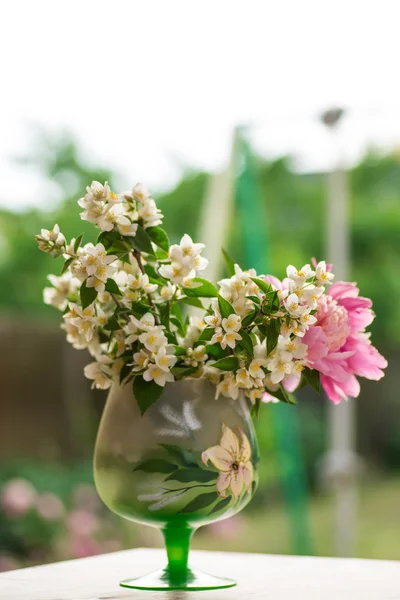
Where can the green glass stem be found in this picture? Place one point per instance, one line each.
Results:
(177, 543)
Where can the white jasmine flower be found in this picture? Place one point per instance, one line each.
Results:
(322, 276)
(225, 339)
(127, 228)
(154, 372)
(113, 215)
(293, 306)
(163, 360)
(243, 379)
(153, 339)
(213, 320)
(168, 291)
(199, 353)
(187, 282)
(254, 394)
(141, 360)
(100, 372)
(64, 286)
(311, 295)
(232, 323)
(176, 272)
(95, 193)
(255, 368)
(145, 323)
(299, 277)
(306, 319)
(51, 241)
(280, 365)
(95, 257)
(227, 387)
(293, 346)
(151, 215)
(140, 193)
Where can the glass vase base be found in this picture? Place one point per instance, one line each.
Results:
(191, 579)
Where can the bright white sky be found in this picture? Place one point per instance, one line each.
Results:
(149, 86)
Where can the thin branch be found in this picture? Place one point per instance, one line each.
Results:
(138, 257)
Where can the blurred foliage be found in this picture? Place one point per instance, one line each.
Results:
(295, 223)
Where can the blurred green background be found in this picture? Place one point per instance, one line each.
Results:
(48, 415)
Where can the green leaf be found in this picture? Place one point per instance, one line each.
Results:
(125, 371)
(146, 393)
(179, 325)
(87, 294)
(112, 287)
(263, 285)
(179, 350)
(67, 264)
(193, 302)
(138, 309)
(193, 474)
(200, 502)
(246, 343)
(141, 241)
(159, 237)
(229, 363)
(107, 238)
(283, 395)
(155, 465)
(161, 255)
(112, 324)
(220, 505)
(215, 351)
(313, 378)
(205, 290)
(248, 319)
(225, 307)
(230, 265)
(163, 309)
(206, 335)
(183, 371)
(272, 337)
(154, 276)
(78, 242)
(175, 452)
(255, 299)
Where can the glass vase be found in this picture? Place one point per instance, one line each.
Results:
(190, 460)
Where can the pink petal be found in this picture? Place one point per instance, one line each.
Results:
(237, 482)
(220, 458)
(343, 289)
(247, 471)
(223, 482)
(229, 441)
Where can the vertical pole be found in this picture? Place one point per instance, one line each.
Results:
(341, 462)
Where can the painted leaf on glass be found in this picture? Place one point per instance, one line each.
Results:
(200, 502)
(155, 465)
(193, 474)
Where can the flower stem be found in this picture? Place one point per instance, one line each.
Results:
(138, 257)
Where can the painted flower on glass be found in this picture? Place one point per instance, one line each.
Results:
(232, 458)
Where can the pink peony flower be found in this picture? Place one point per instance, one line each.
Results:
(18, 497)
(338, 346)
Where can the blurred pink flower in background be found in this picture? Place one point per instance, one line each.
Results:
(81, 522)
(49, 506)
(17, 497)
(8, 563)
(82, 546)
(338, 346)
(228, 528)
(85, 496)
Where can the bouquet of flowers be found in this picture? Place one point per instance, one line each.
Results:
(126, 300)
